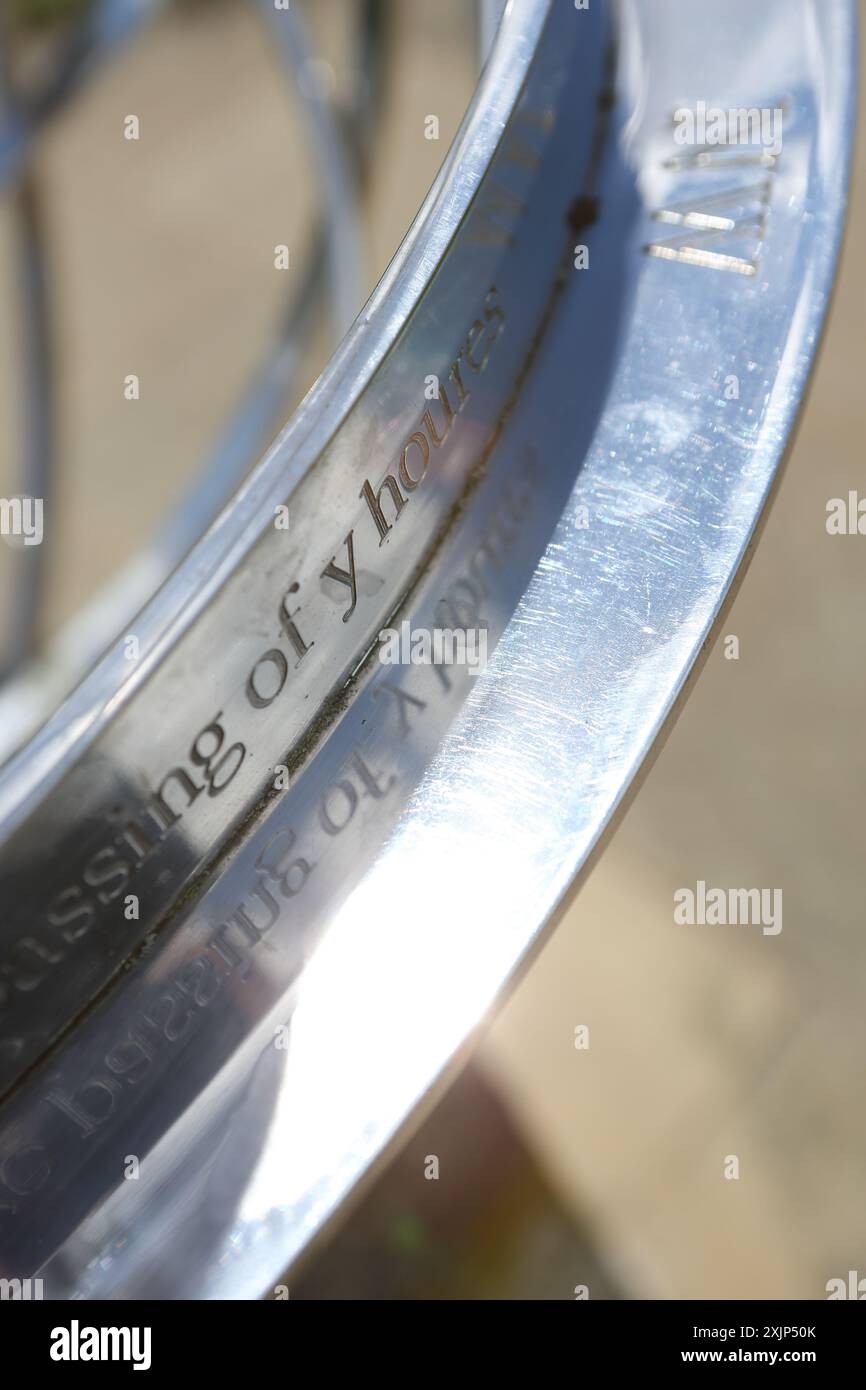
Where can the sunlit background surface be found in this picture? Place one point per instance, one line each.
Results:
(600, 1169)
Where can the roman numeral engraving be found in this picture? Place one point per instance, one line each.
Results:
(723, 228)
(709, 230)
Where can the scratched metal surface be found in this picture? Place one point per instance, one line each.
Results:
(616, 507)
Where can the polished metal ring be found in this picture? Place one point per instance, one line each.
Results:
(262, 878)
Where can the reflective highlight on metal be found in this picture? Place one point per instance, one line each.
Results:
(307, 962)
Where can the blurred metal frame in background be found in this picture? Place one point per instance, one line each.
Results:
(35, 677)
(591, 494)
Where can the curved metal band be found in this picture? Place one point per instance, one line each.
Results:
(146, 772)
(583, 483)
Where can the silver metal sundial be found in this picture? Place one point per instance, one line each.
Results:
(558, 419)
